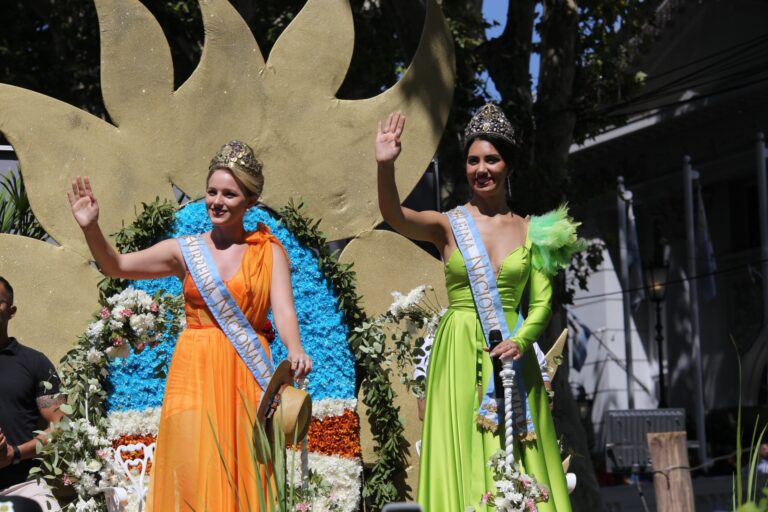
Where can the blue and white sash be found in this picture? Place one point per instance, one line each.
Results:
(491, 313)
(224, 309)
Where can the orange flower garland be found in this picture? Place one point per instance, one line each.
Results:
(336, 435)
(147, 439)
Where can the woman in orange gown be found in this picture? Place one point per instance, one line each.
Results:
(203, 460)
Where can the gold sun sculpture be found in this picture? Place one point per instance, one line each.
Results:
(314, 146)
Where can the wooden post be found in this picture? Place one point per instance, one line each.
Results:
(672, 475)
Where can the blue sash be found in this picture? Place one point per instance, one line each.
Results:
(224, 309)
(491, 313)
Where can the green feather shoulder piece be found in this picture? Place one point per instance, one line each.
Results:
(554, 240)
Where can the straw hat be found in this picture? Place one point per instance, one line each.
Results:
(286, 403)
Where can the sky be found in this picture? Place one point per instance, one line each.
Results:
(496, 11)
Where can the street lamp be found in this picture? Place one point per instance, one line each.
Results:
(656, 283)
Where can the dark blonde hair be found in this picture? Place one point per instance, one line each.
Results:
(251, 185)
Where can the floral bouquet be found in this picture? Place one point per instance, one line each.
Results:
(414, 315)
(133, 318)
(515, 491)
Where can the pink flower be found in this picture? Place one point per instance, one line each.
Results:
(153, 307)
(117, 341)
(126, 312)
(104, 312)
(140, 346)
(530, 505)
(66, 480)
(302, 507)
(103, 454)
(544, 494)
(486, 497)
(525, 480)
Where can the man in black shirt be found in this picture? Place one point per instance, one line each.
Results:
(29, 401)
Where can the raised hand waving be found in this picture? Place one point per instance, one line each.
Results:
(85, 209)
(388, 145)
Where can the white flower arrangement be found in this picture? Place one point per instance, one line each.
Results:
(80, 452)
(514, 490)
(413, 318)
(134, 319)
(339, 488)
(321, 409)
(123, 423)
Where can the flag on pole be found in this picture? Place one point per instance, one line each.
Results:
(579, 334)
(705, 254)
(637, 293)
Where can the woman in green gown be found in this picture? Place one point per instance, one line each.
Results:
(456, 445)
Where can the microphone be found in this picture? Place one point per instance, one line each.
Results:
(494, 338)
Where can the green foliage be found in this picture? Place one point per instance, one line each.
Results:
(756, 506)
(77, 453)
(610, 36)
(748, 503)
(16, 215)
(582, 265)
(150, 227)
(340, 275)
(366, 341)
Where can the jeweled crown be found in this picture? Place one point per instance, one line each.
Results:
(236, 154)
(490, 120)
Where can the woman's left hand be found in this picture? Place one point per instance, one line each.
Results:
(507, 349)
(301, 363)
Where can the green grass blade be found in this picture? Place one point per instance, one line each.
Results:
(756, 441)
(231, 483)
(738, 486)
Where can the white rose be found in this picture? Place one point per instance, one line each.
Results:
(94, 330)
(93, 466)
(94, 356)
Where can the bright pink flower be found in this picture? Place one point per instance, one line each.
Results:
(153, 307)
(66, 480)
(126, 312)
(302, 507)
(104, 313)
(530, 505)
(117, 341)
(486, 497)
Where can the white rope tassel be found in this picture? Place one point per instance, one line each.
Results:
(508, 380)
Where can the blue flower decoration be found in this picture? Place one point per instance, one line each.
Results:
(134, 381)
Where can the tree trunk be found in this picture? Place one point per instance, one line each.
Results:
(507, 59)
(555, 117)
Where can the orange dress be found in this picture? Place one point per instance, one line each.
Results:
(202, 460)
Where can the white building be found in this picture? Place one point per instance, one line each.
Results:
(706, 97)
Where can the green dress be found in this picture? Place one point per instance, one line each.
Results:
(453, 470)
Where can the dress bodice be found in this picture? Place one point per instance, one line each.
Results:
(513, 275)
(249, 286)
(516, 271)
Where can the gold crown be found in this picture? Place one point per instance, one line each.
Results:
(239, 155)
(490, 120)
